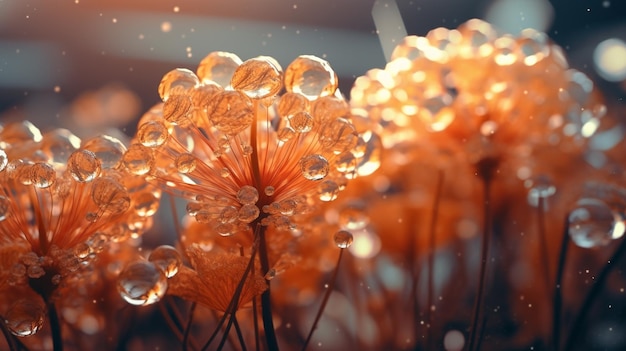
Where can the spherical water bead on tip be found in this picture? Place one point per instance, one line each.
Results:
(178, 81)
(167, 258)
(83, 166)
(230, 112)
(343, 239)
(310, 76)
(328, 190)
(258, 78)
(107, 149)
(42, 175)
(185, 163)
(5, 207)
(146, 204)
(247, 195)
(142, 283)
(4, 160)
(152, 134)
(177, 108)
(25, 317)
(109, 195)
(314, 167)
(248, 213)
(539, 188)
(592, 223)
(269, 190)
(301, 122)
(338, 136)
(292, 103)
(218, 67)
(138, 159)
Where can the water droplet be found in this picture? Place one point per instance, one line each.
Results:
(292, 103)
(83, 165)
(310, 76)
(142, 283)
(4, 160)
(338, 136)
(185, 163)
(167, 258)
(225, 229)
(593, 223)
(138, 159)
(271, 274)
(177, 108)
(343, 239)
(108, 150)
(230, 112)
(35, 271)
(248, 213)
(152, 134)
(146, 204)
(109, 195)
(5, 207)
(247, 195)
(178, 81)
(301, 122)
(225, 172)
(353, 216)
(436, 112)
(258, 78)
(25, 317)
(42, 175)
(82, 250)
(328, 190)
(91, 217)
(218, 67)
(539, 187)
(314, 167)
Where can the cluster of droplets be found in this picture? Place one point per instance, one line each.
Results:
(145, 282)
(226, 138)
(482, 90)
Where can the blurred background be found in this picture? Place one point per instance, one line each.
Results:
(89, 64)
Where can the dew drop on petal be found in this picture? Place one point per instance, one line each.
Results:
(310, 76)
(109, 195)
(292, 103)
(343, 239)
(218, 67)
(248, 213)
(178, 81)
(152, 134)
(42, 175)
(258, 78)
(25, 317)
(328, 190)
(83, 165)
(185, 163)
(301, 122)
(138, 159)
(142, 283)
(230, 112)
(314, 167)
(247, 195)
(146, 204)
(167, 258)
(592, 223)
(177, 108)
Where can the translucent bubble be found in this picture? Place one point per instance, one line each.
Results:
(338, 136)
(301, 122)
(310, 76)
(353, 216)
(16, 132)
(109, 195)
(329, 108)
(328, 190)
(203, 93)
(248, 213)
(230, 112)
(247, 195)
(146, 204)
(81, 250)
(5, 207)
(258, 78)
(218, 67)
(593, 223)
(314, 167)
(108, 150)
(138, 159)
(185, 163)
(370, 146)
(25, 317)
(83, 166)
(177, 108)
(269, 190)
(343, 239)
(58, 144)
(271, 274)
(4, 160)
(42, 175)
(167, 258)
(539, 187)
(176, 82)
(292, 103)
(97, 242)
(436, 112)
(229, 214)
(142, 283)
(152, 134)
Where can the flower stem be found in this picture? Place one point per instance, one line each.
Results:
(558, 297)
(266, 301)
(55, 327)
(192, 309)
(329, 290)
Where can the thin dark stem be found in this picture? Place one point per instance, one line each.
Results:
(10, 338)
(266, 301)
(171, 323)
(226, 331)
(242, 343)
(596, 288)
(486, 238)
(541, 219)
(255, 317)
(329, 290)
(192, 309)
(55, 327)
(431, 256)
(558, 294)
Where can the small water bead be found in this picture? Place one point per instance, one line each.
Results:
(109, 195)
(152, 134)
(167, 258)
(247, 195)
(146, 204)
(16, 132)
(218, 67)
(42, 175)
(271, 274)
(539, 187)
(4, 160)
(338, 136)
(58, 145)
(107, 149)
(25, 317)
(230, 112)
(228, 214)
(301, 122)
(5, 207)
(328, 190)
(343, 239)
(314, 167)
(142, 283)
(83, 166)
(248, 213)
(177, 81)
(35, 271)
(592, 223)
(97, 242)
(138, 159)
(185, 163)
(225, 229)
(371, 146)
(91, 217)
(258, 78)
(225, 172)
(346, 162)
(81, 250)
(310, 76)
(329, 108)
(177, 108)
(292, 103)
(287, 207)
(353, 216)
(269, 190)
(285, 134)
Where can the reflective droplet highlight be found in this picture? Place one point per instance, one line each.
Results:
(167, 258)
(343, 239)
(311, 77)
(83, 166)
(314, 167)
(142, 283)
